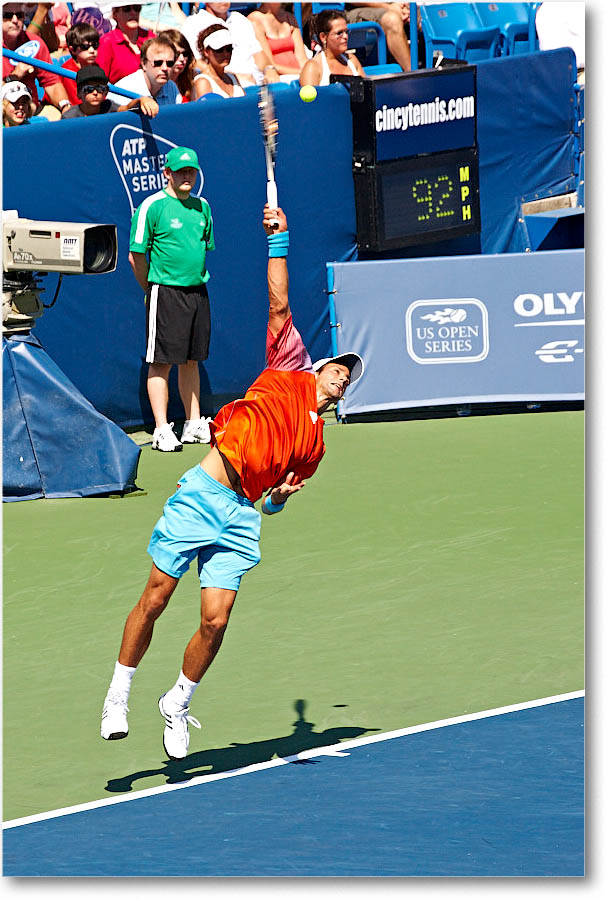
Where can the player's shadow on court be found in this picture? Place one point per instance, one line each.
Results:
(237, 756)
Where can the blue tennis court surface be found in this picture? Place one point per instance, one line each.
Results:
(498, 796)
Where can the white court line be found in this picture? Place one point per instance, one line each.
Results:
(333, 750)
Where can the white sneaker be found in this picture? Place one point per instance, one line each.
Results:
(196, 431)
(175, 736)
(114, 725)
(164, 439)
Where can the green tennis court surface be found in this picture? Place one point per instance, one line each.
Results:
(429, 569)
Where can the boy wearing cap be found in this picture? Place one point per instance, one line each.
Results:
(17, 104)
(92, 90)
(176, 230)
(266, 443)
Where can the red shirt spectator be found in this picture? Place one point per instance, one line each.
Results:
(119, 50)
(82, 41)
(69, 83)
(29, 78)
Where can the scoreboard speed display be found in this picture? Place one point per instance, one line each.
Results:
(415, 160)
(414, 201)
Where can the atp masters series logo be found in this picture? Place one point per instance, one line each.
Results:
(140, 159)
(447, 331)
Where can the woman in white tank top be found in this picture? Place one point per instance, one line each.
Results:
(215, 47)
(331, 29)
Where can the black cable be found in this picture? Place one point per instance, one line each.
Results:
(52, 303)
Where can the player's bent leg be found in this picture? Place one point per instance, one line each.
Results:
(216, 606)
(136, 638)
(140, 621)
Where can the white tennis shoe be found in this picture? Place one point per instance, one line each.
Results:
(114, 725)
(196, 431)
(164, 439)
(176, 736)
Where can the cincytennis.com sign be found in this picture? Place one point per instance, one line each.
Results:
(400, 118)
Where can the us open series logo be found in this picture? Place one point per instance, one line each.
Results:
(447, 331)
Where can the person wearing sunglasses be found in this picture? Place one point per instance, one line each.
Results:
(120, 50)
(153, 79)
(83, 43)
(16, 38)
(331, 30)
(184, 70)
(92, 88)
(215, 48)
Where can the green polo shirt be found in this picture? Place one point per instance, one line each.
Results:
(177, 235)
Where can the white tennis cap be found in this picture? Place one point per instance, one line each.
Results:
(218, 39)
(352, 361)
(14, 90)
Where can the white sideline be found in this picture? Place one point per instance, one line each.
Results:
(339, 749)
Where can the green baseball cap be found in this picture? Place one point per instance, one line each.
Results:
(181, 158)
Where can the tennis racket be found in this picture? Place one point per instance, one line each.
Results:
(270, 130)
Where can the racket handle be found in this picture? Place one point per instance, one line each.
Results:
(271, 194)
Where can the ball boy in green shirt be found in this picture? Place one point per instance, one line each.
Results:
(171, 233)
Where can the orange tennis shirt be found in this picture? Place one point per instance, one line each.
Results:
(275, 428)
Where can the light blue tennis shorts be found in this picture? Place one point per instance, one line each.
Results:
(206, 520)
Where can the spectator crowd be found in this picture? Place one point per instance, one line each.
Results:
(160, 55)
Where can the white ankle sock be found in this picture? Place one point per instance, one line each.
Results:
(122, 678)
(182, 691)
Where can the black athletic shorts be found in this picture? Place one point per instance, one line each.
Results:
(178, 323)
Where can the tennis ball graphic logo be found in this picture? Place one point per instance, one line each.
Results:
(308, 93)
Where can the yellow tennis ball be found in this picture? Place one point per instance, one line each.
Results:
(308, 93)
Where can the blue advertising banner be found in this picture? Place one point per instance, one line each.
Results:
(462, 329)
(104, 167)
(425, 113)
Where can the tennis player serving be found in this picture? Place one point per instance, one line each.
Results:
(267, 443)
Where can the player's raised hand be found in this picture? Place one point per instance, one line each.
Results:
(291, 485)
(271, 217)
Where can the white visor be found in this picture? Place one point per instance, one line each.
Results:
(218, 39)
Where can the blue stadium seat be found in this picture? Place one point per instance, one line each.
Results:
(513, 19)
(385, 69)
(368, 37)
(579, 90)
(456, 30)
(319, 7)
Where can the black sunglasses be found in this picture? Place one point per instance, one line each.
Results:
(86, 46)
(157, 63)
(89, 88)
(7, 16)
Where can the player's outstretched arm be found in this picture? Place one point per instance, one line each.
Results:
(276, 499)
(278, 276)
